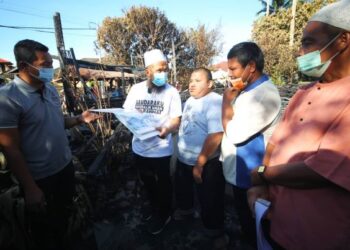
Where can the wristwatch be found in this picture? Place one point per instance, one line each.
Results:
(261, 171)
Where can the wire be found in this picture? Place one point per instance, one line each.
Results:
(43, 31)
(72, 34)
(36, 15)
(18, 28)
(25, 13)
(42, 28)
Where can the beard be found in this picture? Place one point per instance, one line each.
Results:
(152, 88)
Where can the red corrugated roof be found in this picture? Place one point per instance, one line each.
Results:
(4, 61)
(221, 65)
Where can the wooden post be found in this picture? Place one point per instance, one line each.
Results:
(68, 91)
(123, 80)
(173, 59)
(76, 66)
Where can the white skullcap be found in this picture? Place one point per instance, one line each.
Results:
(335, 14)
(154, 56)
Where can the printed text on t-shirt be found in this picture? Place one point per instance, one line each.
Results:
(149, 106)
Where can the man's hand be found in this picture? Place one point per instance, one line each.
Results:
(163, 132)
(10, 143)
(85, 117)
(230, 94)
(227, 110)
(257, 192)
(197, 174)
(255, 178)
(35, 199)
(171, 126)
(88, 117)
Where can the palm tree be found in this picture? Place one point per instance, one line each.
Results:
(274, 6)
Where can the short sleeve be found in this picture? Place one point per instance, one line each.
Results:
(129, 103)
(175, 105)
(213, 115)
(332, 157)
(257, 113)
(279, 131)
(10, 113)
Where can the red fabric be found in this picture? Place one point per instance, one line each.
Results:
(315, 129)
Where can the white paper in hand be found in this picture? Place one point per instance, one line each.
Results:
(261, 207)
(138, 123)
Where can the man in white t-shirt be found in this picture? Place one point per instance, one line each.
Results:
(250, 110)
(162, 105)
(200, 136)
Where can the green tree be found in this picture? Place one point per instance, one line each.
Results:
(272, 34)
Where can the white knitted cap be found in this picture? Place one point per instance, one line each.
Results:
(335, 14)
(154, 56)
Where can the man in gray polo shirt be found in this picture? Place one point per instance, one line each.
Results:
(2, 81)
(33, 139)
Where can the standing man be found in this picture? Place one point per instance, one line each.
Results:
(250, 109)
(2, 81)
(307, 164)
(199, 141)
(161, 103)
(33, 139)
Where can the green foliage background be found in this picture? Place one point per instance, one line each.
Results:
(271, 33)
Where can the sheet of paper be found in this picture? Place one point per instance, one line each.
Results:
(261, 207)
(111, 110)
(138, 123)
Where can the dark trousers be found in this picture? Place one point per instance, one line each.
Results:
(244, 214)
(48, 229)
(155, 174)
(211, 192)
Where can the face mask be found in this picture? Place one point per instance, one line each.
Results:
(311, 65)
(160, 79)
(45, 74)
(238, 83)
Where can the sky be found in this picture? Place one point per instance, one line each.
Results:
(234, 17)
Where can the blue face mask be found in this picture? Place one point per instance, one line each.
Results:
(310, 64)
(160, 79)
(45, 74)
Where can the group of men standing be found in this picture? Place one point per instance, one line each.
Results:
(240, 122)
(300, 162)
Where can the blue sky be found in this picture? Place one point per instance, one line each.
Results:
(234, 16)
